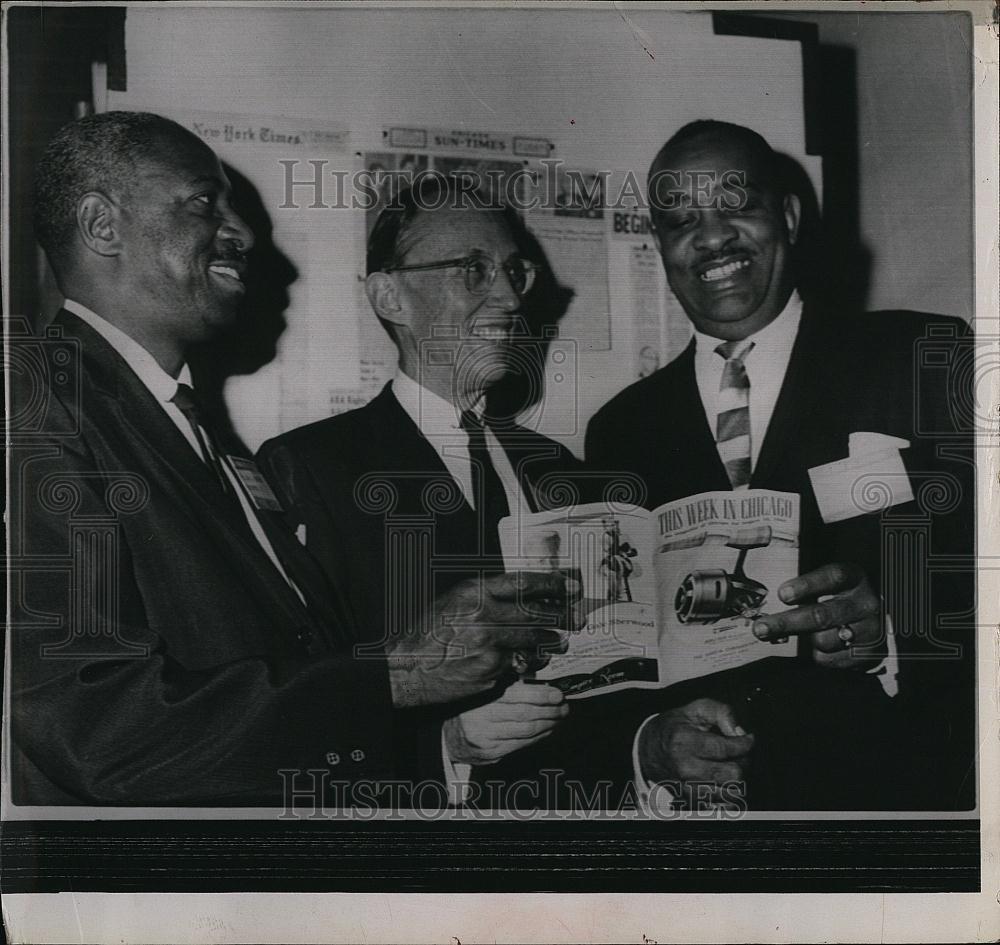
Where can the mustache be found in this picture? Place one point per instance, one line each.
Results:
(229, 254)
(722, 256)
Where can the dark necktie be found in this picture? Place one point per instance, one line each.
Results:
(186, 400)
(488, 492)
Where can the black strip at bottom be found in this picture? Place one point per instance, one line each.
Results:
(502, 856)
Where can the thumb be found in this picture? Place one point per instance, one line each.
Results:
(518, 586)
(720, 716)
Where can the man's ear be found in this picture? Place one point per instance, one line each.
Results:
(793, 213)
(383, 295)
(97, 217)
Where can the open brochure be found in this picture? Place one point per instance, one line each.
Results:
(668, 595)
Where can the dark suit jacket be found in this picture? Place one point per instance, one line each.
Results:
(899, 373)
(158, 656)
(369, 474)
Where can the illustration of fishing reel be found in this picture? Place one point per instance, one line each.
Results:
(713, 594)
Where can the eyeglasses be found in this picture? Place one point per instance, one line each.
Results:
(481, 272)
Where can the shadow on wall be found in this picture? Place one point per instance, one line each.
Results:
(835, 268)
(834, 273)
(845, 263)
(523, 387)
(252, 342)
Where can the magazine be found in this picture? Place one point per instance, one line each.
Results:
(667, 595)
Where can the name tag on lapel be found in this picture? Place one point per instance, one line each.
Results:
(871, 479)
(261, 494)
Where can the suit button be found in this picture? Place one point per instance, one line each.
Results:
(332, 758)
(304, 636)
(357, 755)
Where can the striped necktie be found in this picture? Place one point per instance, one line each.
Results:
(732, 427)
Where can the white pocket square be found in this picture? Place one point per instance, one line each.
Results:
(871, 479)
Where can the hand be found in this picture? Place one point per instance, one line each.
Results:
(524, 714)
(839, 609)
(467, 639)
(698, 742)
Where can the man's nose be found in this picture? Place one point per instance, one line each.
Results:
(502, 294)
(714, 230)
(235, 230)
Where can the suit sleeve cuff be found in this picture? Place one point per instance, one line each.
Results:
(653, 798)
(456, 775)
(888, 670)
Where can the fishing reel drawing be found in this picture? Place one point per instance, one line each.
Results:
(713, 594)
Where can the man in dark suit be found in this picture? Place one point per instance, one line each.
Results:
(420, 476)
(878, 709)
(172, 644)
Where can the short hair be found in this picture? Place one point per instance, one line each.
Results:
(94, 153)
(755, 143)
(430, 191)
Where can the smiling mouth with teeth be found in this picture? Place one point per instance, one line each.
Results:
(490, 332)
(722, 272)
(227, 271)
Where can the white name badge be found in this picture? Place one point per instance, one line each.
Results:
(872, 478)
(256, 485)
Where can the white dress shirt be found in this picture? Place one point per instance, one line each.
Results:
(163, 387)
(438, 422)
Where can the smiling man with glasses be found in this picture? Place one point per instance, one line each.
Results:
(419, 477)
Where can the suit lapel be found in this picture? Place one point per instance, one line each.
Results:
(531, 456)
(804, 391)
(400, 447)
(415, 466)
(167, 457)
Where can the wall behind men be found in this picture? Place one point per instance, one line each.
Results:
(607, 88)
(912, 78)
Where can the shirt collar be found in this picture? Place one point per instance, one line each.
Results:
(775, 337)
(159, 383)
(432, 414)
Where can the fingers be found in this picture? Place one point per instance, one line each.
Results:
(726, 722)
(853, 602)
(812, 618)
(521, 586)
(829, 579)
(681, 745)
(523, 706)
(711, 747)
(694, 761)
(540, 641)
(860, 646)
(857, 636)
(501, 713)
(501, 748)
(523, 731)
(721, 773)
(487, 729)
(709, 713)
(539, 694)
